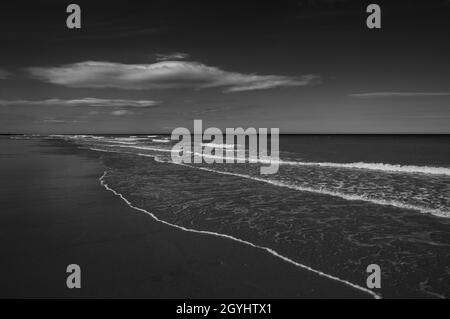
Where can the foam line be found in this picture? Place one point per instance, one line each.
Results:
(383, 167)
(269, 250)
(393, 203)
(435, 212)
(215, 145)
(378, 167)
(160, 141)
(411, 169)
(148, 148)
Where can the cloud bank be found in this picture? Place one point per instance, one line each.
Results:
(84, 102)
(161, 75)
(397, 94)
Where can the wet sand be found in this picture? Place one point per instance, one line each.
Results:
(54, 212)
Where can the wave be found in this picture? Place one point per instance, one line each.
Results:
(19, 137)
(121, 142)
(131, 138)
(357, 165)
(148, 148)
(383, 167)
(160, 141)
(215, 145)
(322, 191)
(378, 167)
(269, 250)
(394, 168)
(350, 197)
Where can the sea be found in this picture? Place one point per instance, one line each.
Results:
(337, 204)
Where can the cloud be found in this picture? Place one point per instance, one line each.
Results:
(172, 56)
(56, 121)
(4, 74)
(161, 75)
(121, 112)
(397, 94)
(88, 101)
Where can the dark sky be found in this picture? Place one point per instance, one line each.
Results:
(151, 66)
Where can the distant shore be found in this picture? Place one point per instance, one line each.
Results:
(54, 212)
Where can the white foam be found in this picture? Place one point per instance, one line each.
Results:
(120, 142)
(216, 145)
(269, 250)
(411, 169)
(358, 165)
(100, 150)
(131, 138)
(378, 167)
(350, 197)
(160, 140)
(148, 148)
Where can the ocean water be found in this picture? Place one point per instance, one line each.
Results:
(336, 205)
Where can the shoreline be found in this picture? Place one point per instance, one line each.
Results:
(266, 249)
(69, 218)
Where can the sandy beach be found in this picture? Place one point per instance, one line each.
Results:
(55, 212)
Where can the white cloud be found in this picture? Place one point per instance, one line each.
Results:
(161, 75)
(83, 102)
(53, 121)
(171, 56)
(121, 112)
(397, 94)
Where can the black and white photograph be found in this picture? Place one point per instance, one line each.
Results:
(209, 151)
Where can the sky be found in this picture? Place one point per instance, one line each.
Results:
(308, 66)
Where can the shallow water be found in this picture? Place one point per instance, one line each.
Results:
(321, 209)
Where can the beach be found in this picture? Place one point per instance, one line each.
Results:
(54, 211)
